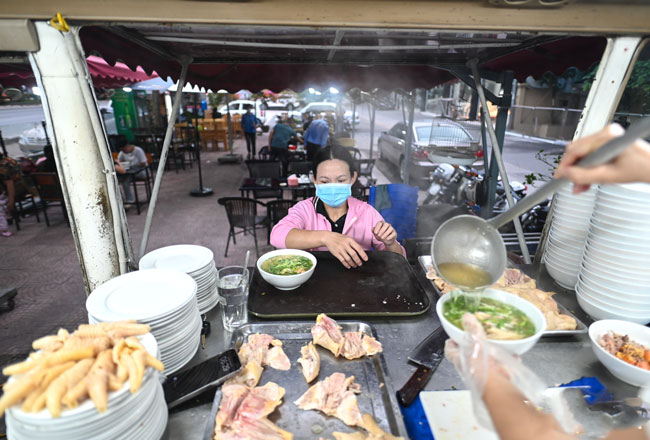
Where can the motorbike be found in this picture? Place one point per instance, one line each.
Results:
(461, 185)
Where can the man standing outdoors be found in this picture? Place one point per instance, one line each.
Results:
(132, 158)
(279, 142)
(316, 136)
(249, 123)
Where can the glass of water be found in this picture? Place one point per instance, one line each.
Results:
(233, 290)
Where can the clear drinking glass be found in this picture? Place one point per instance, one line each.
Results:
(233, 291)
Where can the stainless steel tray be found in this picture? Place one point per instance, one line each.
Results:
(377, 395)
(581, 328)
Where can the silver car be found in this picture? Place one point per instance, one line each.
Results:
(435, 141)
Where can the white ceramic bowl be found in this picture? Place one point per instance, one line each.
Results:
(620, 237)
(621, 369)
(563, 277)
(624, 301)
(576, 202)
(614, 204)
(594, 285)
(566, 254)
(518, 346)
(598, 313)
(286, 282)
(638, 229)
(614, 261)
(613, 272)
(622, 220)
(619, 283)
(615, 307)
(633, 251)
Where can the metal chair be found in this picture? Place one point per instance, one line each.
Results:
(276, 210)
(22, 208)
(242, 213)
(364, 169)
(265, 168)
(299, 167)
(49, 191)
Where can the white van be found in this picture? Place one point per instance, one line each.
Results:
(239, 106)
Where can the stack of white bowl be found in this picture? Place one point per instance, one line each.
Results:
(614, 280)
(196, 261)
(566, 238)
(164, 299)
(139, 416)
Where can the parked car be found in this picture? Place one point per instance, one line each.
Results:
(239, 108)
(436, 141)
(328, 107)
(284, 101)
(32, 140)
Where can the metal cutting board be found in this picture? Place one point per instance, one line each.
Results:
(581, 328)
(377, 395)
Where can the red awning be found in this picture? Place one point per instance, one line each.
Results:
(105, 75)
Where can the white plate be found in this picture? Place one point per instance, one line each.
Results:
(183, 257)
(142, 295)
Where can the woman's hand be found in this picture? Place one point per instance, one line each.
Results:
(632, 165)
(345, 249)
(385, 233)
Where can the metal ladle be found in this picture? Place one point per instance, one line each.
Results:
(475, 241)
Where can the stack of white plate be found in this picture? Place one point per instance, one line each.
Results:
(614, 281)
(139, 416)
(164, 299)
(566, 238)
(196, 261)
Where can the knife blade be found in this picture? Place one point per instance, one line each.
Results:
(428, 355)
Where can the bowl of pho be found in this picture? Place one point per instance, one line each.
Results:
(509, 321)
(286, 269)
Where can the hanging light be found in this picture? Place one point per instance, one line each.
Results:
(127, 89)
(334, 90)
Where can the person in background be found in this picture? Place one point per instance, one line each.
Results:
(215, 113)
(132, 158)
(8, 174)
(279, 142)
(511, 416)
(46, 164)
(249, 124)
(334, 220)
(316, 136)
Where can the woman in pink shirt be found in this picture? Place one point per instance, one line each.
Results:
(333, 220)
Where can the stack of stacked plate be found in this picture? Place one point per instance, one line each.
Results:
(614, 281)
(139, 416)
(196, 261)
(566, 238)
(164, 299)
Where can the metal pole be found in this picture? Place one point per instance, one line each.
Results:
(354, 115)
(83, 159)
(163, 155)
(496, 150)
(200, 191)
(372, 126)
(228, 119)
(409, 141)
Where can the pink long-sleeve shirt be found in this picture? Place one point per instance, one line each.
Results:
(303, 215)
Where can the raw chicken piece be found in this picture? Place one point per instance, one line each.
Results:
(264, 350)
(371, 345)
(334, 396)
(376, 433)
(352, 346)
(349, 436)
(276, 358)
(327, 333)
(513, 277)
(310, 362)
(243, 411)
(249, 375)
(231, 398)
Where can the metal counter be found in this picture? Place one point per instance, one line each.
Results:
(555, 360)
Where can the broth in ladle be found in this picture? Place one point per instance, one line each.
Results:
(465, 276)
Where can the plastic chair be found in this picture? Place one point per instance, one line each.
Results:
(242, 213)
(403, 208)
(364, 169)
(49, 191)
(276, 210)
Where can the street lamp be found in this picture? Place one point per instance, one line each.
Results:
(127, 89)
(334, 91)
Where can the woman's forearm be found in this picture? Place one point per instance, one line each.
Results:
(512, 417)
(395, 247)
(302, 239)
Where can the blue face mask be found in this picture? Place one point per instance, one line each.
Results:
(334, 194)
